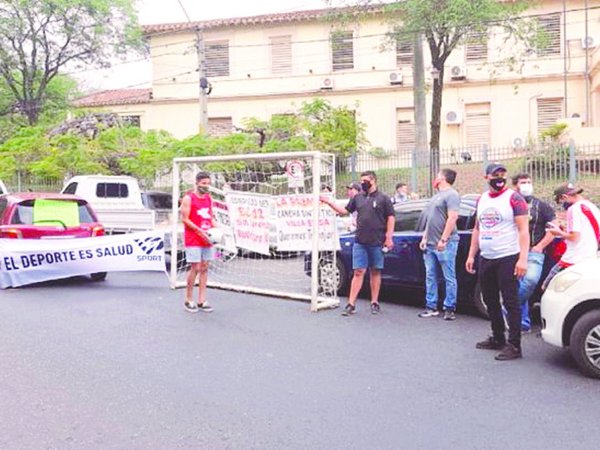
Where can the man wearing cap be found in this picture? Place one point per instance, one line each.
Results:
(582, 233)
(501, 236)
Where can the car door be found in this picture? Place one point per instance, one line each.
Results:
(404, 263)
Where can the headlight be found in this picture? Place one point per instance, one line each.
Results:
(564, 281)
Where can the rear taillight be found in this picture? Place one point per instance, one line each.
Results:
(11, 233)
(97, 231)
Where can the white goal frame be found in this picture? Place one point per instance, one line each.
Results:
(317, 302)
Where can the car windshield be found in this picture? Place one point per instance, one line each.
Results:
(23, 214)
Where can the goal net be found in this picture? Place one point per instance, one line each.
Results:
(278, 238)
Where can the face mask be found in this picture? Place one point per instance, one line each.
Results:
(202, 189)
(365, 185)
(566, 205)
(497, 183)
(526, 190)
(436, 184)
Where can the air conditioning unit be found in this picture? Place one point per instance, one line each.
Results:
(458, 72)
(518, 142)
(453, 118)
(326, 84)
(395, 78)
(588, 42)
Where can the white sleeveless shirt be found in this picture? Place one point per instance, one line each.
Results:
(498, 232)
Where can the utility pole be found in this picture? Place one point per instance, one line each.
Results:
(420, 109)
(203, 85)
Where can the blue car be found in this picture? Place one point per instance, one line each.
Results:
(404, 266)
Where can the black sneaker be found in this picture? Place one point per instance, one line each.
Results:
(205, 307)
(429, 313)
(509, 352)
(349, 310)
(449, 315)
(490, 344)
(375, 308)
(190, 307)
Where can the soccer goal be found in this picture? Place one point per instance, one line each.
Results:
(278, 238)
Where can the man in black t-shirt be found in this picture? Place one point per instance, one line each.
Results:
(540, 214)
(374, 230)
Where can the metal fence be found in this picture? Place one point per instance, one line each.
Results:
(548, 164)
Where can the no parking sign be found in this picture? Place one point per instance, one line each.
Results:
(295, 173)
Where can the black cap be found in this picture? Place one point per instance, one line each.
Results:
(566, 189)
(495, 167)
(354, 185)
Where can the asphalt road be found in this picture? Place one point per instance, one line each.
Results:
(121, 365)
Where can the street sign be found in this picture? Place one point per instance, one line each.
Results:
(295, 173)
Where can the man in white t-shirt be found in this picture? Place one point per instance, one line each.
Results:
(582, 233)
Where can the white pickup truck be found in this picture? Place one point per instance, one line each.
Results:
(117, 201)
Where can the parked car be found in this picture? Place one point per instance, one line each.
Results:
(403, 265)
(571, 314)
(17, 220)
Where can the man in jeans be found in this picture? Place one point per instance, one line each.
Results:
(540, 215)
(440, 243)
(501, 235)
(374, 231)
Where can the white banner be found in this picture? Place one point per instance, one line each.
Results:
(26, 261)
(251, 217)
(294, 215)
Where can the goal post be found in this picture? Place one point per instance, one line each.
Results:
(277, 233)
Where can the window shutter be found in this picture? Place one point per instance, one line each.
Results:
(405, 131)
(476, 47)
(550, 25)
(477, 124)
(217, 59)
(281, 55)
(549, 111)
(342, 50)
(404, 51)
(220, 126)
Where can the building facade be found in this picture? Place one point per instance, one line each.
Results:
(497, 93)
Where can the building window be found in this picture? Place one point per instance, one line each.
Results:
(342, 50)
(131, 120)
(404, 51)
(219, 126)
(549, 25)
(476, 47)
(281, 55)
(405, 131)
(477, 124)
(549, 111)
(217, 59)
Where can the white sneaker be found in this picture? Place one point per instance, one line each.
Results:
(205, 307)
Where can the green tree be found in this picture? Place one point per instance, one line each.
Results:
(41, 38)
(446, 24)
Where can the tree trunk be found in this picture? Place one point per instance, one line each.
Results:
(31, 110)
(436, 113)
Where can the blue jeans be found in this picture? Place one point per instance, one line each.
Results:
(364, 256)
(446, 259)
(527, 285)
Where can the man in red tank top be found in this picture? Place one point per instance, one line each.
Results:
(197, 218)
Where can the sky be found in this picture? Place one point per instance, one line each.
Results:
(138, 75)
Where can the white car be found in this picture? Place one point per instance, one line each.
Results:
(571, 314)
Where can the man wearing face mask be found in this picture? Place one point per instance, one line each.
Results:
(374, 231)
(501, 236)
(582, 234)
(197, 218)
(540, 215)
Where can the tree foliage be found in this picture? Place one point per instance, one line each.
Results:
(41, 38)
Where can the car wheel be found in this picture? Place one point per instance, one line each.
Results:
(332, 276)
(478, 303)
(100, 276)
(585, 343)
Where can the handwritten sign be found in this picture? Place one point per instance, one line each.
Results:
(251, 219)
(294, 223)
